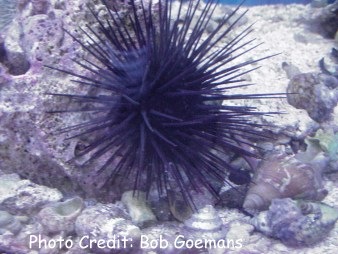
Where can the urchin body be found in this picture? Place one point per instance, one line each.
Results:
(160, 120)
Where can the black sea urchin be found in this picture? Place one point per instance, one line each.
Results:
(160, 121)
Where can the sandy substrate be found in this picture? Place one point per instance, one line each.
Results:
(286, 30)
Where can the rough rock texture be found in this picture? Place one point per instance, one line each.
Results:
(105, 222)
(24, 197)
(30, 148)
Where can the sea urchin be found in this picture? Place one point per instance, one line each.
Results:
(159, 119)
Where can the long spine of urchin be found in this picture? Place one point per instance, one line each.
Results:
(159, 119)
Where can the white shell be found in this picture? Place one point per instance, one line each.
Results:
(205, 224)
(138, 209)
(61, 216)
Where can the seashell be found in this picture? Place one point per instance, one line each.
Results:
(313, 93)
(10, 223)
(61, 216)
(295, 223)
(281, 176)
(205, 224)
(178, 207)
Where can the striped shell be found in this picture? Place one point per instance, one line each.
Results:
(205, 224)
(280, 176)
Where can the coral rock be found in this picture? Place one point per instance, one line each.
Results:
(106, 222)
(9, 223)
(296, 223)
(43, 36)
(24, 197)
(309, 91)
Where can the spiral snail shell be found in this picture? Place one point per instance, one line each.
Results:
(281, 176)
(205, 224)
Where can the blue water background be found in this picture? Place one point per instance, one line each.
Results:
(262, 2)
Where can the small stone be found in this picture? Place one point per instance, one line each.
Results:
(9, 223)
(40, 6)
(15, 56)
(138, 209)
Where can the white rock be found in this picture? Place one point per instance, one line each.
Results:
(23, 196)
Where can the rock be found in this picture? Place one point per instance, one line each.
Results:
(327, 20)
(296, 224)
(308, 91)
(167, 231)
(10, 223)
(40, 6)
(7, 13)
(239, 230)
(329, 65)
(15, 56)
(23, 147)
(22, 196)
(43, 35)
(105, 222)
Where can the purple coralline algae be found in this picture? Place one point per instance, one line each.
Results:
(296, 224)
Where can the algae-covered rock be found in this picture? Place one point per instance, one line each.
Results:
(296, 223)
(309, 91)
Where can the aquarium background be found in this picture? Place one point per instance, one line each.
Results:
(263, 2)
